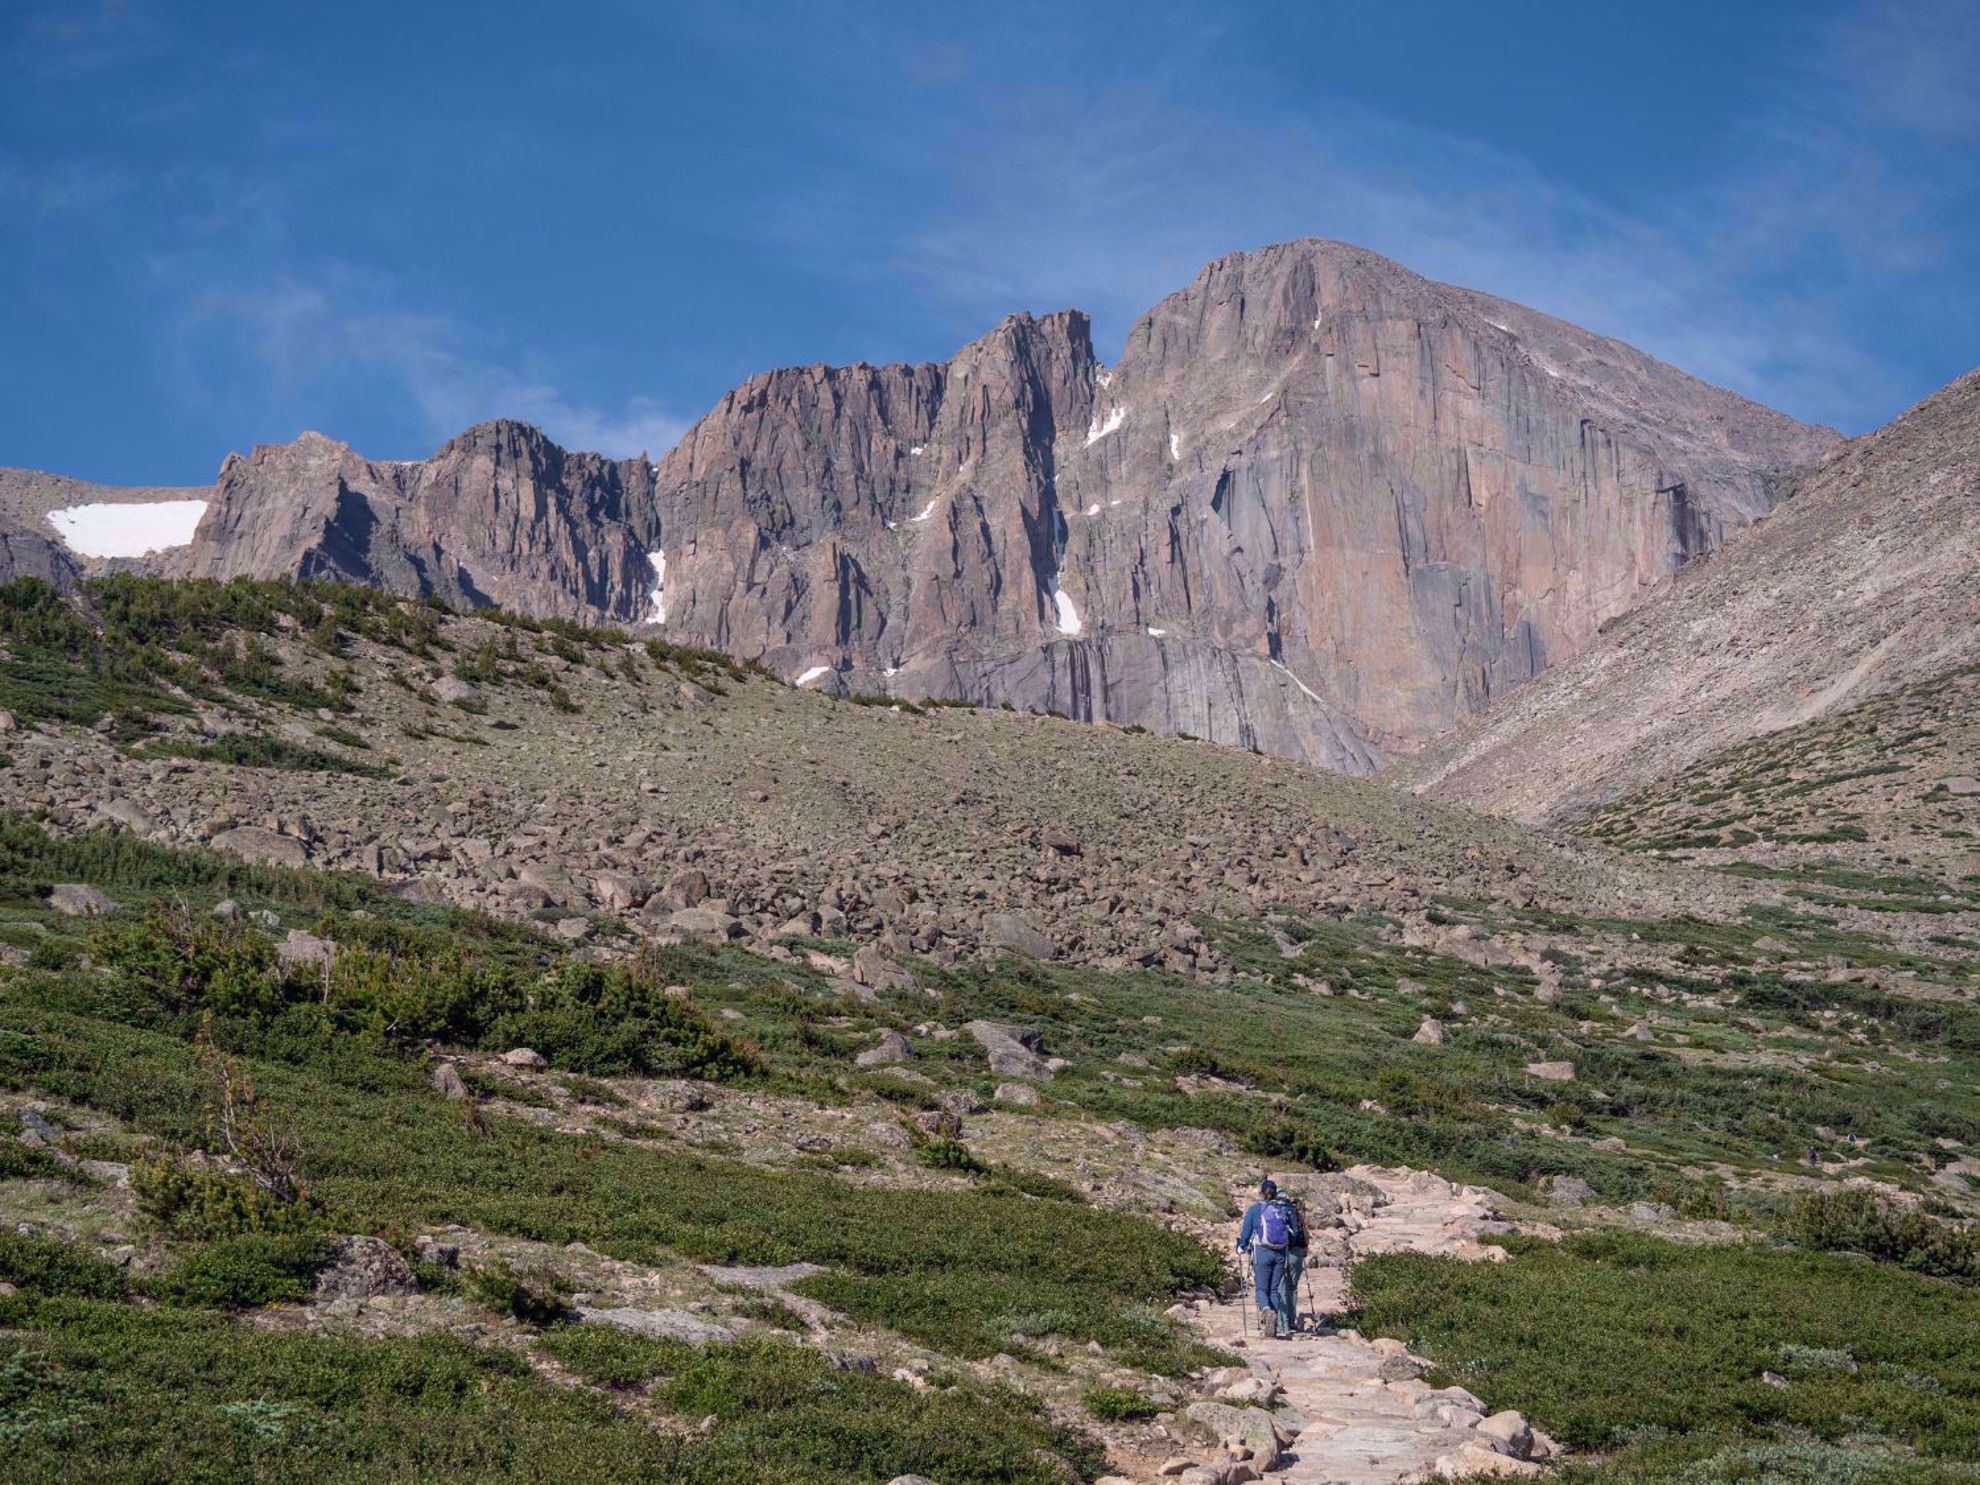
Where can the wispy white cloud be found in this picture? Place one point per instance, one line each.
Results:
(1109, 200)
(315, 331)
(1915, 64)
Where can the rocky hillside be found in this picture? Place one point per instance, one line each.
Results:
(467, 1046)
(1322, 507)
(1866, 580)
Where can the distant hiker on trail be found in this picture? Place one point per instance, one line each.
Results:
(1294, 1266)
(1271, 1233)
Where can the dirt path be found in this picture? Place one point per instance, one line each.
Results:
(1352, 1410)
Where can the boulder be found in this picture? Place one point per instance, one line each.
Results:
(1551, 1072)
(1509, 1432)
(525, 1057)
(363, 1267)
(446, 1080)
(259, 844)
(552, 881)
(687, 889)
(1012, 1050)
(302, 950)
(622, 891)
(1477, 1460)
(1430, 1033)
(127, 816)
(1219, 1421)
(872, 968)
(1021, 1095)
(1018, 934)
(706, 923)
(1567, 1191)
(79, 900)
(450, 689)
(892, 1047)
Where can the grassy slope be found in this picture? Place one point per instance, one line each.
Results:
(1798, 1025)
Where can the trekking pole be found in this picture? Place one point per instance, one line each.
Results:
(1244, 1305)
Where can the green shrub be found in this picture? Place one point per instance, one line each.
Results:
(533, 1295)
(948, 1154)
(1855, 1220)
(1613, 1339)
(256, 750)
(1120, 1404)
(609, 1355)
(244, 1272)
(49, 1266)
(189, 1201)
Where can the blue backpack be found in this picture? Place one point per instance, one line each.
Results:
(1279, 1226)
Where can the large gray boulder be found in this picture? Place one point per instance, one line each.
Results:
(1010, 931)
(892, 1047)
(263, 846)
(706, 923)
(1012, 1050)
(79, 900)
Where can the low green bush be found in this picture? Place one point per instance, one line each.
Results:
(1120, 1404)
(531, 1294)
(52, 1267)
(1611, 1341)
(1854, 1220)
(243, 1272)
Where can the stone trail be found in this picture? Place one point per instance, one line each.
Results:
(1352, 1410)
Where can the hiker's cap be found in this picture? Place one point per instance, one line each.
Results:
(1269, 1186)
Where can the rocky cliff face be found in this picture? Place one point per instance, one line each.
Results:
(1866, 579)
(1321, 507)
(500, 515)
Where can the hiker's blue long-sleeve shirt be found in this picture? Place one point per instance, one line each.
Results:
(1248, 1229)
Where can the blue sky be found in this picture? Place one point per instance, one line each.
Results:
(222, 223)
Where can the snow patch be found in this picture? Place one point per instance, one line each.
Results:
(136, 529)
(891, 670)
(926, 511)
(1104, 378)
(918, 450)
(1157, 633)
(1098, 430)
(1312, 694)
(1175, 445)
(811, 675)
(659, 561)
(1093, 509)
(1068, 615)
(1497, 326)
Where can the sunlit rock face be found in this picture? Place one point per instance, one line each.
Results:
(1321, 507)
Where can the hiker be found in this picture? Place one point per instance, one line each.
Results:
(1270, 1228)
(1294, 1266)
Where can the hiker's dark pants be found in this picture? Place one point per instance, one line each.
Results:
(1268, 1268)
(1288, 1293)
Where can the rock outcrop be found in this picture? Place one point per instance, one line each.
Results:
(500, 515)
(1866, 580)
(1321, 507)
